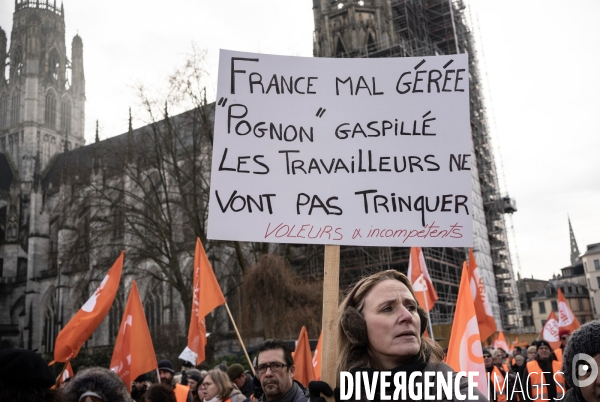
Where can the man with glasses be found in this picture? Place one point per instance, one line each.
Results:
(275, 371)
(498, 387)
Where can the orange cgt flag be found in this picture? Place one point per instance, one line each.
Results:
(550, 331)
(420, 280)
(207, 296)
(88, 318)
(485, 317)
(318, 358)
(500, 342)
(464, 350)
(304, 372)
(134, 353)
(566, 318)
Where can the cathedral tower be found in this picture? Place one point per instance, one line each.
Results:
(352, 28)
(42, 102)
(411, 28)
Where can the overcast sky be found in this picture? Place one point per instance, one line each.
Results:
(540, 66)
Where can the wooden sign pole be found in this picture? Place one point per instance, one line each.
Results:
(331, 290)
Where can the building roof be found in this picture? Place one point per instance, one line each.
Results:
(109, 154)
(568, 288)
(592, 249)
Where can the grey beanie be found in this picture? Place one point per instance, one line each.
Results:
(584, 340)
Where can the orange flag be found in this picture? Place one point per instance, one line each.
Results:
(304, 372)
(485, 317)
(464, 350)
(500, 342)
(207, 296)
(420, 280)
(515, 342)
(134, 353)
(318, 358)
(88, 318)
(566, 318)
(550, 331)
(67, 373)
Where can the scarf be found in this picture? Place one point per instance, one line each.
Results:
(289, 396)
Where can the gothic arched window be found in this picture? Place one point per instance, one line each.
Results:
(50, 114)
(15, 108)
(65, 116)
(152, 307)
(54, 65)
(51, 323)
(371, 46)
(16, 64)
(3, 111)
(114, 319)
(340, 50)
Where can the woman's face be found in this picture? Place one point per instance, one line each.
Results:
(393, 324)
(209, 389)
(193, 384)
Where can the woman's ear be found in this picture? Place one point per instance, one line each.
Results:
(355, 327)
(423, 316)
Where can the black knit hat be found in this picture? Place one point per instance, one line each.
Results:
(585, 340)
(166, 365)
(485, 351)
(142, 378)
(24, 368)
(543, 342)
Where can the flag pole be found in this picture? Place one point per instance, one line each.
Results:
(331, 289)
(240, 339)
(61, 373)
(427, 307)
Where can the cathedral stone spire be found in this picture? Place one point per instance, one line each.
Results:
(574, 249)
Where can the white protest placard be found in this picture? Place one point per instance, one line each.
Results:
(371, 152)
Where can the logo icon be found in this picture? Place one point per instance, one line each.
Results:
(588, 370)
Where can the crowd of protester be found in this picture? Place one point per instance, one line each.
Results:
(381, 328)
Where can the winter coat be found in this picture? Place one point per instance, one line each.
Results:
(296, 394)
(236, 396)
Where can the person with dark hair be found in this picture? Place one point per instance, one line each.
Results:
(194, 379)
(159, 393)
(166, 372)
(564, 335)
(584, 387)
(545, 378)
(139, 387)
(381, 328)
(275, 371)
(26, 377)
(495, 378)
(96, 384)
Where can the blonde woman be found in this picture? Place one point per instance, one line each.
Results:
(217, 387)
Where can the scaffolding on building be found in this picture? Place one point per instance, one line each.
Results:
(429, 28)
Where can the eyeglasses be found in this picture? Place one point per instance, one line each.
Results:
(205, 385)
(275, 367)
(564, 337)
(487, 356)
